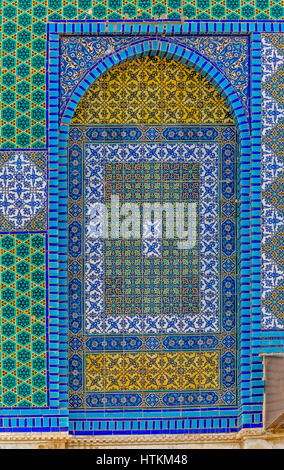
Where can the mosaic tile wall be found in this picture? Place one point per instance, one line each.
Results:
(272, 189)
(273, 113)
(51, 52)
(23, 201)
(150, 292)
(23, 321)
(23, 52)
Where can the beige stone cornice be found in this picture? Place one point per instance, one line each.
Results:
(246, 438)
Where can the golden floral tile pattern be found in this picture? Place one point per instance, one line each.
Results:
(152, 91)
(152, 371)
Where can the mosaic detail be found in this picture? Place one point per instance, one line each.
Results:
(274, 85)
(274, 195)
(173, 93)
(79, 54)
(23, 321)
(274, 138)
(23, 81)
(166, 278)
(152, 371)
(97, 332)
(275, 248)
(171, 9)
(272, 181)
(23, 191)
(274, 301)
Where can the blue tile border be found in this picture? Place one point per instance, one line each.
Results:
(165, 27)
(257, 385)
(86, 420)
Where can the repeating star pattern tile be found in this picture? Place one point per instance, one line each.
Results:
(23, 321)
(23, 125)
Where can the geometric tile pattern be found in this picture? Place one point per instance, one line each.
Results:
(120, 299)
(274, 302)
(274, 138)
(179, 304)
(275, 248)
(171, 9)
(175, 93)
(23, 192)
(23, 125)
(126, 288)
(23, 321)
(275, 85)
(119, 357)
(274, 194)
(23, 82)
(272, 180)
(150, 371)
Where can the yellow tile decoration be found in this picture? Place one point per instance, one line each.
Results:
(152, 371)
(152, 91)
